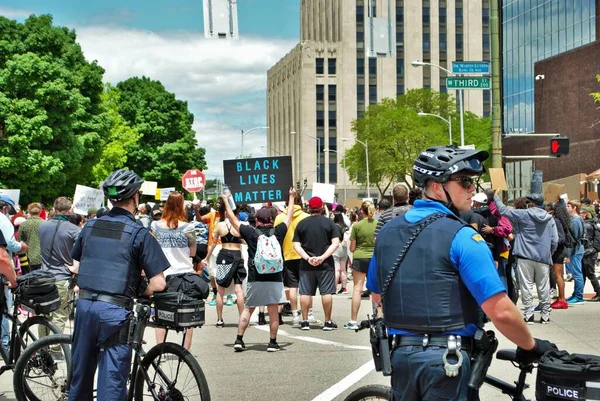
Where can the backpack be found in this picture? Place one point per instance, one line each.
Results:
(268, 258)
(595, 243)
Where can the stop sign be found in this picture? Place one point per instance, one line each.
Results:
(193, 180)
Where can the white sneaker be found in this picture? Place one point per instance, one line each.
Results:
(311, 319)
(296, 321)
(351, 325)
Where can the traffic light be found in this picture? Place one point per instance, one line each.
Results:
(559, 146)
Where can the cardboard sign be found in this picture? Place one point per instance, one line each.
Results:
(162, 194)
(86, 198)
(259, 180)
(552, 192)
(498, 179)
(13, 194)
(351, 203)
(324, 191)
(149, 188)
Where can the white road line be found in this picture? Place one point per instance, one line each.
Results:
(314, 340)
(345, 383)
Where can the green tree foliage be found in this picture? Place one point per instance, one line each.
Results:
(596, 95)
(51, 119)
(120, 140)
(167, 147)
(396, 135)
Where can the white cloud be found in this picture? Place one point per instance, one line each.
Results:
(223, 81)
(14, 13)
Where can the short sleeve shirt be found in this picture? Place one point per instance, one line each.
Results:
(363, 233)
(250, 235)
(315, 234)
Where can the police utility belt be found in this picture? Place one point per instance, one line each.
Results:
(118, 300)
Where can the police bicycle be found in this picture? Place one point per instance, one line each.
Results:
(167, 372)
(380, 345)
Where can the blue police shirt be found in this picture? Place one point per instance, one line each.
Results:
(148, 253)
(468, 254)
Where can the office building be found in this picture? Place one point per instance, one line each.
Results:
(353, 53)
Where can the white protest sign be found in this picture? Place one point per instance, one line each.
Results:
(324, 191)
(13, 194)
(164, 193)
(149, 188)
(85, 198)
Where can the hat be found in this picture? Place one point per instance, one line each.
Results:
(156, 212)
(243, 216)
(92, 211)
(589, 210)
(537, 199)
(480, 198)
(6, 199)
(315, 203)
(264, 215)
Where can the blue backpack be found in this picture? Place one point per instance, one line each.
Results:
(268, 258)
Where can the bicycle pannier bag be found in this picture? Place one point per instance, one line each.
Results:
(176, 310)
(564, 376)
(36, 282)
(41, 304)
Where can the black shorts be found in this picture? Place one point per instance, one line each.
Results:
(361, 265)
(323, 279)
(201, 251)
(291, 273)
(558, 257)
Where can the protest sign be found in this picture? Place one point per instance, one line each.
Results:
(552, 192)
(13, 194)
(162, 194)
(259, 180)
(498, 179)
(86, 198)
(149, 188)
(324, 191)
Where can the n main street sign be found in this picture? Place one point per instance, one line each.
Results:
(468, 83)
(470, 67)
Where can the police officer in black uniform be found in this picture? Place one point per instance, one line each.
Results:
(112, 251)
(431, 272)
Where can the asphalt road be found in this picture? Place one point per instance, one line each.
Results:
(319, 365)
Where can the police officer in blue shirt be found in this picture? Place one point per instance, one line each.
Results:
(431, 299)
(112, 251)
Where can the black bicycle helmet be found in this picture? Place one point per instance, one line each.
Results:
(121, 184)
(438, 163)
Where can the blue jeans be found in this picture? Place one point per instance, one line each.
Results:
(5, 325)
(96, 322)
(576, 270)
(418, 375)
(502, 266)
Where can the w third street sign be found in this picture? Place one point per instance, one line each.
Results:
(469, 83)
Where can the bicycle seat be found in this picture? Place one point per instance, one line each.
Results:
(507, 355)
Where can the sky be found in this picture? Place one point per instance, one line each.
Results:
(223, 81)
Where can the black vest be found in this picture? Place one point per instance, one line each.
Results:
(426, 294)
(107, 262)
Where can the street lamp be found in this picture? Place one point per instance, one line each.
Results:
(246, 132)
(418, 63)
(448, 121)
(366, 159)
(344, 161)
(271, 149)
(318, 151)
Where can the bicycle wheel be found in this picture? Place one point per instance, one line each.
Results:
(42, 374)
(28, 331)
(370, 392)
(172, 374)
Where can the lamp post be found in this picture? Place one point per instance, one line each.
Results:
(448, 121)
(316, 138)
(345, 183)
(246, 132)
(271, 149)
(366, 160)
(418, 63)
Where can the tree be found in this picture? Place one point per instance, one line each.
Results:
(120, 140)
(51, 119)
(167, 147)
(396, 135)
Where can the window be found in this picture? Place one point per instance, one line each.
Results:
(320, 65)
(331, 66)
(360, 66)
(332, 168)
(442, 15)
(399, 89)
(320, 93)
(332, 119)
(360, 13)
(372, 93)
(426, 41)
(372, 67)
(459, 16)
(426, 15)
(360, 36)
(399, 67)
(332, 93)
(443, 41)
(320, 119)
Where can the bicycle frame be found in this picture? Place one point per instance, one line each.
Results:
(515, 391)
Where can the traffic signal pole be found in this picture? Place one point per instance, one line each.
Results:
(496, 75)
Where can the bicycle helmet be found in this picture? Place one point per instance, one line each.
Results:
(438, 163)
(121, 185)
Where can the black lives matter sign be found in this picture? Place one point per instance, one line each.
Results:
(258, 180)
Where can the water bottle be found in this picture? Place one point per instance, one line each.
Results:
(227, 194)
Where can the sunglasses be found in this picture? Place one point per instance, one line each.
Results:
(466, 182)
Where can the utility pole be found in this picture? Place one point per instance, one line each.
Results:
(496, 84)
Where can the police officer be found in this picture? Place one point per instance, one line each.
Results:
(112, 251)
(431, 300)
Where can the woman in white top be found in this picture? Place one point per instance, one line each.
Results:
(177, 239)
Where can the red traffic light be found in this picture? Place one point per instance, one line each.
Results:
(559, 146)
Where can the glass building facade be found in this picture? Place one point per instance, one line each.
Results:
(535, 30)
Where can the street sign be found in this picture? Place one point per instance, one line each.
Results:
(468, 83)
(193, 180)
(559, 146)
(470, 67)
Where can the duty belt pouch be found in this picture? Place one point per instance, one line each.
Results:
(564, 376)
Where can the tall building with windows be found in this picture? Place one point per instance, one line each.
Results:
(354, 53)
(534, 30)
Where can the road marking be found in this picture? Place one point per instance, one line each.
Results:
(314, 340)
(345, 383)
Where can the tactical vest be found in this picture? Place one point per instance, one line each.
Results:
(107, 265)
(426, 294)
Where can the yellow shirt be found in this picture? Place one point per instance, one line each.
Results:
(288, 248)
